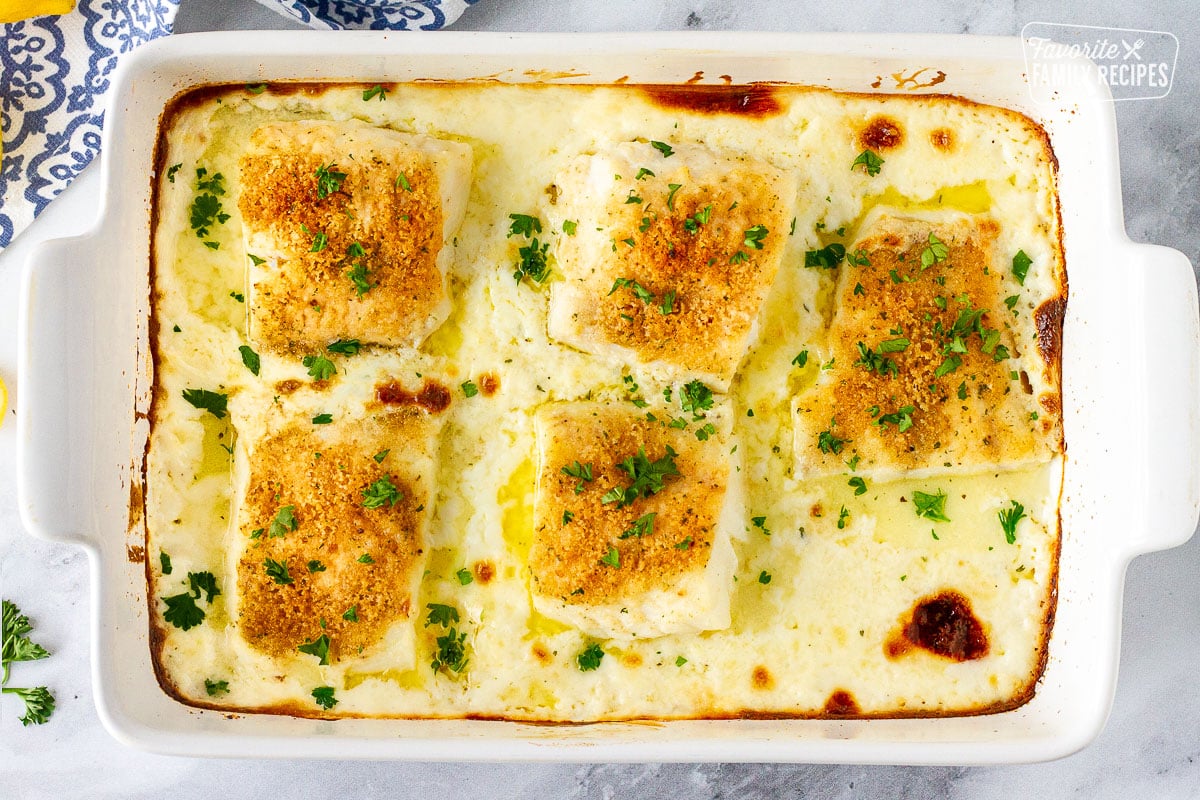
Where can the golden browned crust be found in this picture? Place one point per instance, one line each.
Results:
(977, 413)
(334, 528)
(565, 559)
(308, 298)
(690, 247)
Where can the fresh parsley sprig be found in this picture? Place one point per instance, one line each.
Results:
(17, 646)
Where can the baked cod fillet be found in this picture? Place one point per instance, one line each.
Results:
(941, 361)
(632, 522)
(671, 258)
(331, 527)
(346, 227)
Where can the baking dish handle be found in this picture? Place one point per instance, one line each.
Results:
(1172, 396)
(54, 391)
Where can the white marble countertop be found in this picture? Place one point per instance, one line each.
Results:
(1151, 746)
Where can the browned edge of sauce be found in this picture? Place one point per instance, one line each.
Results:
(943, 624)
(432, 396)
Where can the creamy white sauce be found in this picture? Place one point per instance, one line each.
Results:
(834, 596)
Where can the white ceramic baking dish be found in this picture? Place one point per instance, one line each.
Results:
(1131, 372)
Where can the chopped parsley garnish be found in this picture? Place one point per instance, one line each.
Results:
(935, 253)
(764, 577)
(680, 661)
(686, 544)
(901, 418)
(569, 226)
(358, 274)
(647, 477)
(1020, 265)
(843, 515)
(692, 224)
(801, 359)
(322, 419)
(255, 260)
(643, 173)
(375, 91)
(329, 180)
(165, 561)
(828, 257)
(524, 225)
(828, 443)
(869, 160)
(285, 520)
(441, 615)
(761, 524)
(214, 403)
(874, 362)
(278, 571)
(632, 199)
(315, 566)
(642, 293)
(1009, 518)
(381, 455)
(203, 582)
(859, 258)
(642, 526)
(351, 613)
(320, 240)
(318, 647)
(962, 391)
(256, 88)
(451, 652)
(320, 368)
(754, 237)
(590, 658)
(214, 688)
(205, 210)
(695, 397)
(532, 262)
(705, 431)
(667, 306)
(567, 517)
(931, 506)
(324, 694)
(464, 576)
(345, 347)
(612, 558)
(182, 611)
(1011, 302)
(859, 486)
(663, 148)
(250, 359)
(380, 492)
(950, 364)
(171, 172)
(581, 471)
(469, 388)
(673, 188)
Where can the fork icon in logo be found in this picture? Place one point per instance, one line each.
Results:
(1132, 49)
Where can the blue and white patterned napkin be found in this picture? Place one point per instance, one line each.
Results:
(55, 72)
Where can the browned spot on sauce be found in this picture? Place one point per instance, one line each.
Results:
(942, 139)
(288, 386)
(942, 624)
(881, 133)
(631, 660)
(1025, 382)
(135, 553)
(432, 396)
(816, 510)
(699, 76)
(1049, 319)
(919, 79)
(622, 79)
(752, 100)
(726, 79)
(541, 653)
(842, 704)
(875, 84)
(761, 678)
(489, 384)
(484, 572)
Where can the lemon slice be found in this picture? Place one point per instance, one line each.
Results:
(14, 10)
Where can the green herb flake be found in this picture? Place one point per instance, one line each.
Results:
(329, 180)
(827, 257)
(380, 492)
(1009, 518)
(569, 227)
(663, 148)
(931, 506)
(365, 558)
(642, 526)
(214, 403)
(351, 613)
(250, 359)
(583, 472)
(441, 615)
(464, 576)
(1020, 266)
(801, 359)
(345, 347)
(589, 658)
(469, 388)
(278, 571)
(859, 486)
(182, 611)
(323, 695)
(612, 558)
(285, 520)
(318, 647)
(215, 688)
(322, 419)
(375, 91)
(764, 577)
(869, 160)
(319, 367)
